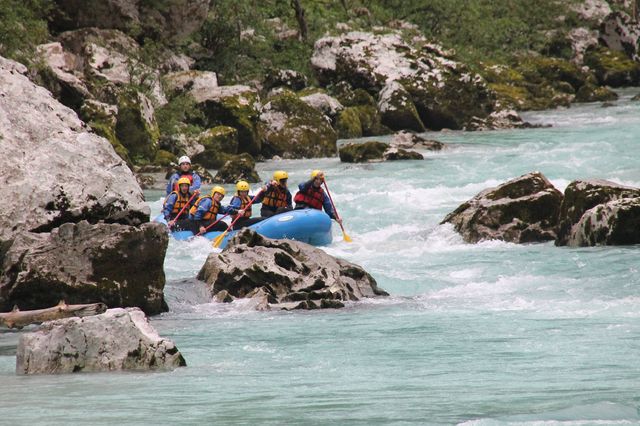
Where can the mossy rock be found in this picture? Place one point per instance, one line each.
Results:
(238, 167)
(593, 93)
(164, 158)
(541, 69)
(101, 118)
(136, 127)
(221, 138)
(371, 121)
(348, 124)
(613, 68)
(362, 152)
(357, 97)
(291, 128)
(397, 109)
(235, 106)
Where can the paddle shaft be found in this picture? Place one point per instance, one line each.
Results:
(335, 211)
(183, 209)
(210, 225)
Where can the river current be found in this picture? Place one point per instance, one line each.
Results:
(474, 334)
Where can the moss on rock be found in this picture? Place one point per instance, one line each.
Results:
(291, 128)
(613, 68)
(136, 127)
(348, 124)
(238, 167)
(362, 152)
(164, 158)
(220, 143)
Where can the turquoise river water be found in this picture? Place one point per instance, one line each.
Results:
(473, 334)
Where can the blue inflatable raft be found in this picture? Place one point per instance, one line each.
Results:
(308, 225)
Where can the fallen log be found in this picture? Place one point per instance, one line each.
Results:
(18, 319)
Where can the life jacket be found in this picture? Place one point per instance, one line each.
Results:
(183, 175)
(244, 202)
(181, 201)
(312, 197)
(209, 214)
(275, 197)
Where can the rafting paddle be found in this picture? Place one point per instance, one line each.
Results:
(173, 221)
(207, 228)
(335, 211)
(218, 240)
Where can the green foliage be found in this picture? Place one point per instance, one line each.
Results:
(23, 25)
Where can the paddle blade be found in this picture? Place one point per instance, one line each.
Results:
(347, 238)
(218, 240)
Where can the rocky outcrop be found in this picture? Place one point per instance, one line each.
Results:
(53, 168)
(290, 79)
(613, 68)
(374, 151)
(284, 274)
(218, 144)
(444, 92)
(171, 20)
(192, 81)
(584, 199)
(84, 263)
(397, 109)
(522, 210)
(290, 128)
(238, 167)
(136, 126)
(119, 339)
(324, 103)
(619, 33)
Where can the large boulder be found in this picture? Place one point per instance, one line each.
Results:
(54, 170)
(620, 33)
(234, 106)
(522, 210)
(397, 109)
(446, 94)
(290, 128)
(612, 67)
(584, 196)
(613, 223)
(290, 79)
(284, 274)
(84, 263)
(409, 140)
(324, 103)
(136, 126)
(170, 20)
(219, 144)
(191, 81)
(119, 339)
(374, 151)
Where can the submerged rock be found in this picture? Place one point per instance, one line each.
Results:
(522, 210)
(284, 274)
(586, 209)
(373, 151)
(84, 263)
(119, 339)
(52, 168)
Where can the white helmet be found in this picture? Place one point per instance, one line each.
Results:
(184, 159)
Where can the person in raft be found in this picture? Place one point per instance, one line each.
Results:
(203, 213)
(311, 195)
(275, 196)
(174, 205)
(239, 202)
(184, 171)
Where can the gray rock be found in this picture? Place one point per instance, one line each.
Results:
(374, 151)
(119, 339)
(581, 40)
(53, 168)
(522, 210)
(500, 119)
(285, 78)
(324, 103)
(397, 108)
(84, 263)
(613, 223)
(238, 167)
(582, 196)
(594, 11)
(395, 154)
(285, 274)
(191, 81)
(618, 32)
(445, 93)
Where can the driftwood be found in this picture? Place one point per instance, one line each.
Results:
(18, 318)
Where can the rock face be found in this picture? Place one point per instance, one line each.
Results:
(324, 103)
(290, 128)
(444, 92)
(53, 168)
(397, 108)
(217, 145)
(84, 263)
(618, 32)
(171, 20)
(522, 210)
(284, 274)
(119, 339)
(587, 208)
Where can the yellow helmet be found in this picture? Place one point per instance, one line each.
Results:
(315, 173)
(184, 180)
(218, 189)
(278, 175)
(242, 185)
